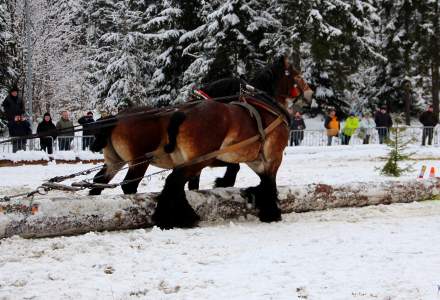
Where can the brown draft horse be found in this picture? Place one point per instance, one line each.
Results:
(196, 130)
(227, 87)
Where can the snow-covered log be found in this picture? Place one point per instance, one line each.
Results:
(53, 216)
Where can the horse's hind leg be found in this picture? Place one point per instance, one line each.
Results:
(134, 176)
(113, 163)
(104, 176)
(230, 176)
(173, 209)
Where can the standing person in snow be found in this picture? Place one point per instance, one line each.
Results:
(366, 126)
(17, 128)
(332, 125)
(86, 121)
(351, 124)
(297, 127)
(65, 131)
(13, 106)
(429, 120)
(47, 132)
(383, 124)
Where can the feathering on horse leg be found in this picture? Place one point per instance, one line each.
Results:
(134, 176)
(173, 209)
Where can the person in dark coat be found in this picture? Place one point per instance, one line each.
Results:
(86, 121)
(297, 127)
(429, 120)
(13, 105)
(383, 123)
(47, 132)
(19, 127)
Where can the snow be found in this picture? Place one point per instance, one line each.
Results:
(378, 252)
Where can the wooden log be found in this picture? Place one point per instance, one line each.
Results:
(47, 216)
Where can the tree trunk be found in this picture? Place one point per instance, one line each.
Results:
(66, 215)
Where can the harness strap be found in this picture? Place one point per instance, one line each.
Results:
(255, 114)
(233, 147)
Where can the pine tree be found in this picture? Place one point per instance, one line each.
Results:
(172, 20)
(232, 41)
(120, 68)
(397, 144)
(8, 61)
(339, 41)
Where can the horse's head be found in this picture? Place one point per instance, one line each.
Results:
(288, 82)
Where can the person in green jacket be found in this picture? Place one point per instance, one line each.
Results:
(65, 131)
(351, 124)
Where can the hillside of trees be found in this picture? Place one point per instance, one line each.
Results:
(106, 54)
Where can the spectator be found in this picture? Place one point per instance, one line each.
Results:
(351, 124)
(19, 127)
(366, 126)
(86, 121)
(297, 127)
(383, 124)
(13, 105)
(47, 132)
(429, 120)
(332, 125)
(65, 131)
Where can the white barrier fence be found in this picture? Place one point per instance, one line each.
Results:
(299, 137)
(61, 143)
(320, 137)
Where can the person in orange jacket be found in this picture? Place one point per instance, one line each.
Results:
(332, 125)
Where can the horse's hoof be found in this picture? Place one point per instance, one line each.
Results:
(221, 182)
(128, 190)
(182, 217)
(95, 192)
(270, 215)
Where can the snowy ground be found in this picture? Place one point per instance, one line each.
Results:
(381, 252)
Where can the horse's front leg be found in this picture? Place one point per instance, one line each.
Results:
(173, 209)
(265, 195)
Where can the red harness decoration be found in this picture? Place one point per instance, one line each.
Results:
(202, 94)
(295, 92)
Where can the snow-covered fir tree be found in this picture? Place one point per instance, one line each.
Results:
(8, 59)
(121, 68)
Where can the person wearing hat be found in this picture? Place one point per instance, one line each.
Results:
(429, 120)
(351, 124)
(48, 133)
(86, 121)
(383, 123)
(13, 105)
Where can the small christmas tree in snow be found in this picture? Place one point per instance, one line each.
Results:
(397, 144)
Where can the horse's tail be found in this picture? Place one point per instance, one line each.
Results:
(176, 120)
(102, 132)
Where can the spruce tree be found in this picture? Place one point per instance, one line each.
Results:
(397, 144)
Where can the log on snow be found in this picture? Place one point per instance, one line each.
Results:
(53, 216)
